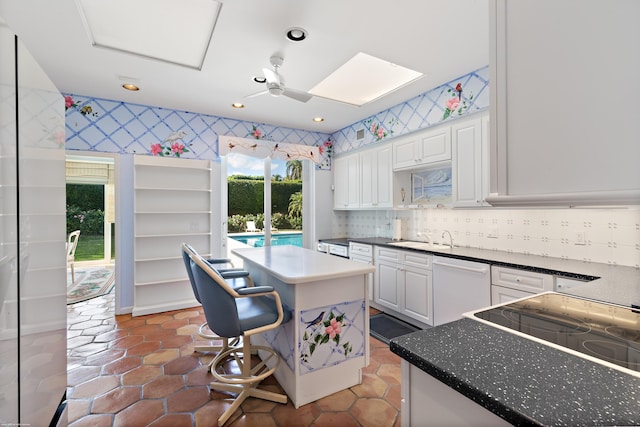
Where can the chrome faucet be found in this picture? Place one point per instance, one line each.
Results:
(450, 238)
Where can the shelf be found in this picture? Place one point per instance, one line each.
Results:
(172, 205)
(172, 212)
(158, 259)
(162, 282)
(203, 190)
(147, 236)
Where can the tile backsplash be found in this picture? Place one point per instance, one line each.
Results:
(605, 235)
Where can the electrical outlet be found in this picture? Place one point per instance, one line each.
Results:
(493, 233)
(580, 238)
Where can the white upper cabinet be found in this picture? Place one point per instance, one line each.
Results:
(376, 178)
(346, 182)
(564, 115)
(363, 180)
(422, 148)
(469, 163)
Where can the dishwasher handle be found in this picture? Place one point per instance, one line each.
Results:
(461, 267)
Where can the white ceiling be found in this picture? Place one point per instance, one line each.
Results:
(443, 39)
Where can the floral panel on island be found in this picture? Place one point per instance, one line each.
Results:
(331, 335)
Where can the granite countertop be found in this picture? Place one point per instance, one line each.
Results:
(522, 381)
(603, 282)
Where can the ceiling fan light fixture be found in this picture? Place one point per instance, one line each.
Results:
(275, 90)
(296, 34)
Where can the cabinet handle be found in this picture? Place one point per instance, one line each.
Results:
(461, 267)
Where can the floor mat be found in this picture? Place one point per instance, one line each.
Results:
(385, 327)
(90, 283)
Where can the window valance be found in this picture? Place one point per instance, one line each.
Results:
(262, 149)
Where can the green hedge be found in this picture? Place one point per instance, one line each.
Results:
(86, 195)
(85, 204)
(90, 222)
(246, 195)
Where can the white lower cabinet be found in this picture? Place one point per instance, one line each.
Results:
(426, 398)
(501, 295)
(403, 284)
(508, 284)
(360, 252)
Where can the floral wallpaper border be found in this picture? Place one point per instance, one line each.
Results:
(95, 124)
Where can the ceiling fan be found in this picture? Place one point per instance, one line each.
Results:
(275, 83)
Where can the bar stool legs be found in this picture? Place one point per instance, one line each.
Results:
(246, 383)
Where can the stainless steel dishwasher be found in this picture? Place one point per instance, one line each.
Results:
(459, 286)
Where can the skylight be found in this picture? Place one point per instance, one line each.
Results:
(364, 78)
(166, 30)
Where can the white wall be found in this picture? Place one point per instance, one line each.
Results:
(612, 235)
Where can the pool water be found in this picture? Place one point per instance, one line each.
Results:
(257, 241)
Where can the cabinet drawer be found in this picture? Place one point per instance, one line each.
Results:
(417, 260)
(521, 279)
(360, 249)
(388, 254)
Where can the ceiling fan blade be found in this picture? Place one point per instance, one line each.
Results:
(298, 95)
(271, 76)
(253, 95)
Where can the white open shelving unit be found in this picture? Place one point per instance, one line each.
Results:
(172, 204)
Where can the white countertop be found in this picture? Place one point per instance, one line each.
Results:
(292, 264)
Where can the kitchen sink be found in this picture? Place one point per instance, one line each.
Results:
(419, 245)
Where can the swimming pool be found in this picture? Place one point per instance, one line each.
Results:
(257, 240)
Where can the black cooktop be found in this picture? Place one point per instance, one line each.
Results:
(603, 331)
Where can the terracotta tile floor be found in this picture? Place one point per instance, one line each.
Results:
(139, 371)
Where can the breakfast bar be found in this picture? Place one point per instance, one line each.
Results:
(326, 344)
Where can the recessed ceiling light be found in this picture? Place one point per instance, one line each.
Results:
(129, 86)
(237, 105)
(318, 119)
(296, 34)
(364, 78)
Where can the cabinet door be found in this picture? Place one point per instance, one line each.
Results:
(435, 146)
(346, 182)
(384, 176)
(418, 302)
(388, 285)
(353, 193)
(340, 186)
(406, 153)
(368, 179)
(583, 150)
(466, 142)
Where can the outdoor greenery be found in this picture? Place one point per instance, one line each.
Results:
(89, 222)
(84, 212)
(246, 197)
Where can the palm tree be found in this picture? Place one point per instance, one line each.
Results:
(294, 169)
(295, 205)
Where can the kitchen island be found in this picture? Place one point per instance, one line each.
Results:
(326, 344)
